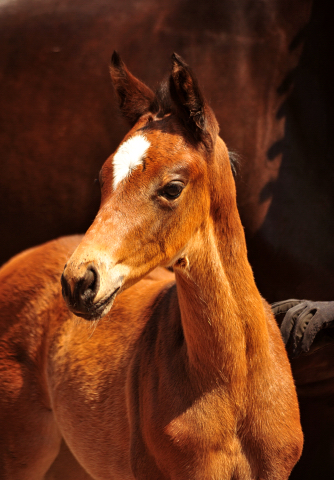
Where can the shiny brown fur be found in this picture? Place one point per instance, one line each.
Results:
(176, 378)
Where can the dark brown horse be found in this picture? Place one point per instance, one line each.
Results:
(266, 71)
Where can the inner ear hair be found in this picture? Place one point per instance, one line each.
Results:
(134, 97)
(186, 93)
(190, 104)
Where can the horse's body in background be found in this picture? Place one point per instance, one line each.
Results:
(265, 71)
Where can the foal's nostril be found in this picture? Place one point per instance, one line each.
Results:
(89, 285)
(66, 291)
(84, 292)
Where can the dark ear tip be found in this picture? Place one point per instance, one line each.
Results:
(177, 60)
(116, 60)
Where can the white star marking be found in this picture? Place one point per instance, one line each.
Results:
(128, 156)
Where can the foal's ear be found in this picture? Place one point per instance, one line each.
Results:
(134, 97)
(190, 102)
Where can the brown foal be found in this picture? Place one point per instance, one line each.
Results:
(180, 377)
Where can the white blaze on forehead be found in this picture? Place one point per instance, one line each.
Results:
(129, 155)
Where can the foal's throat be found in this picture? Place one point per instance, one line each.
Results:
(221, 309)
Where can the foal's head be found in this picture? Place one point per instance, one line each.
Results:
(157, 189)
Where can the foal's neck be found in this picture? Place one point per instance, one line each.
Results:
(222, 312)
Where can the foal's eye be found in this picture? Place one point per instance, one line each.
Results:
(172, 190)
